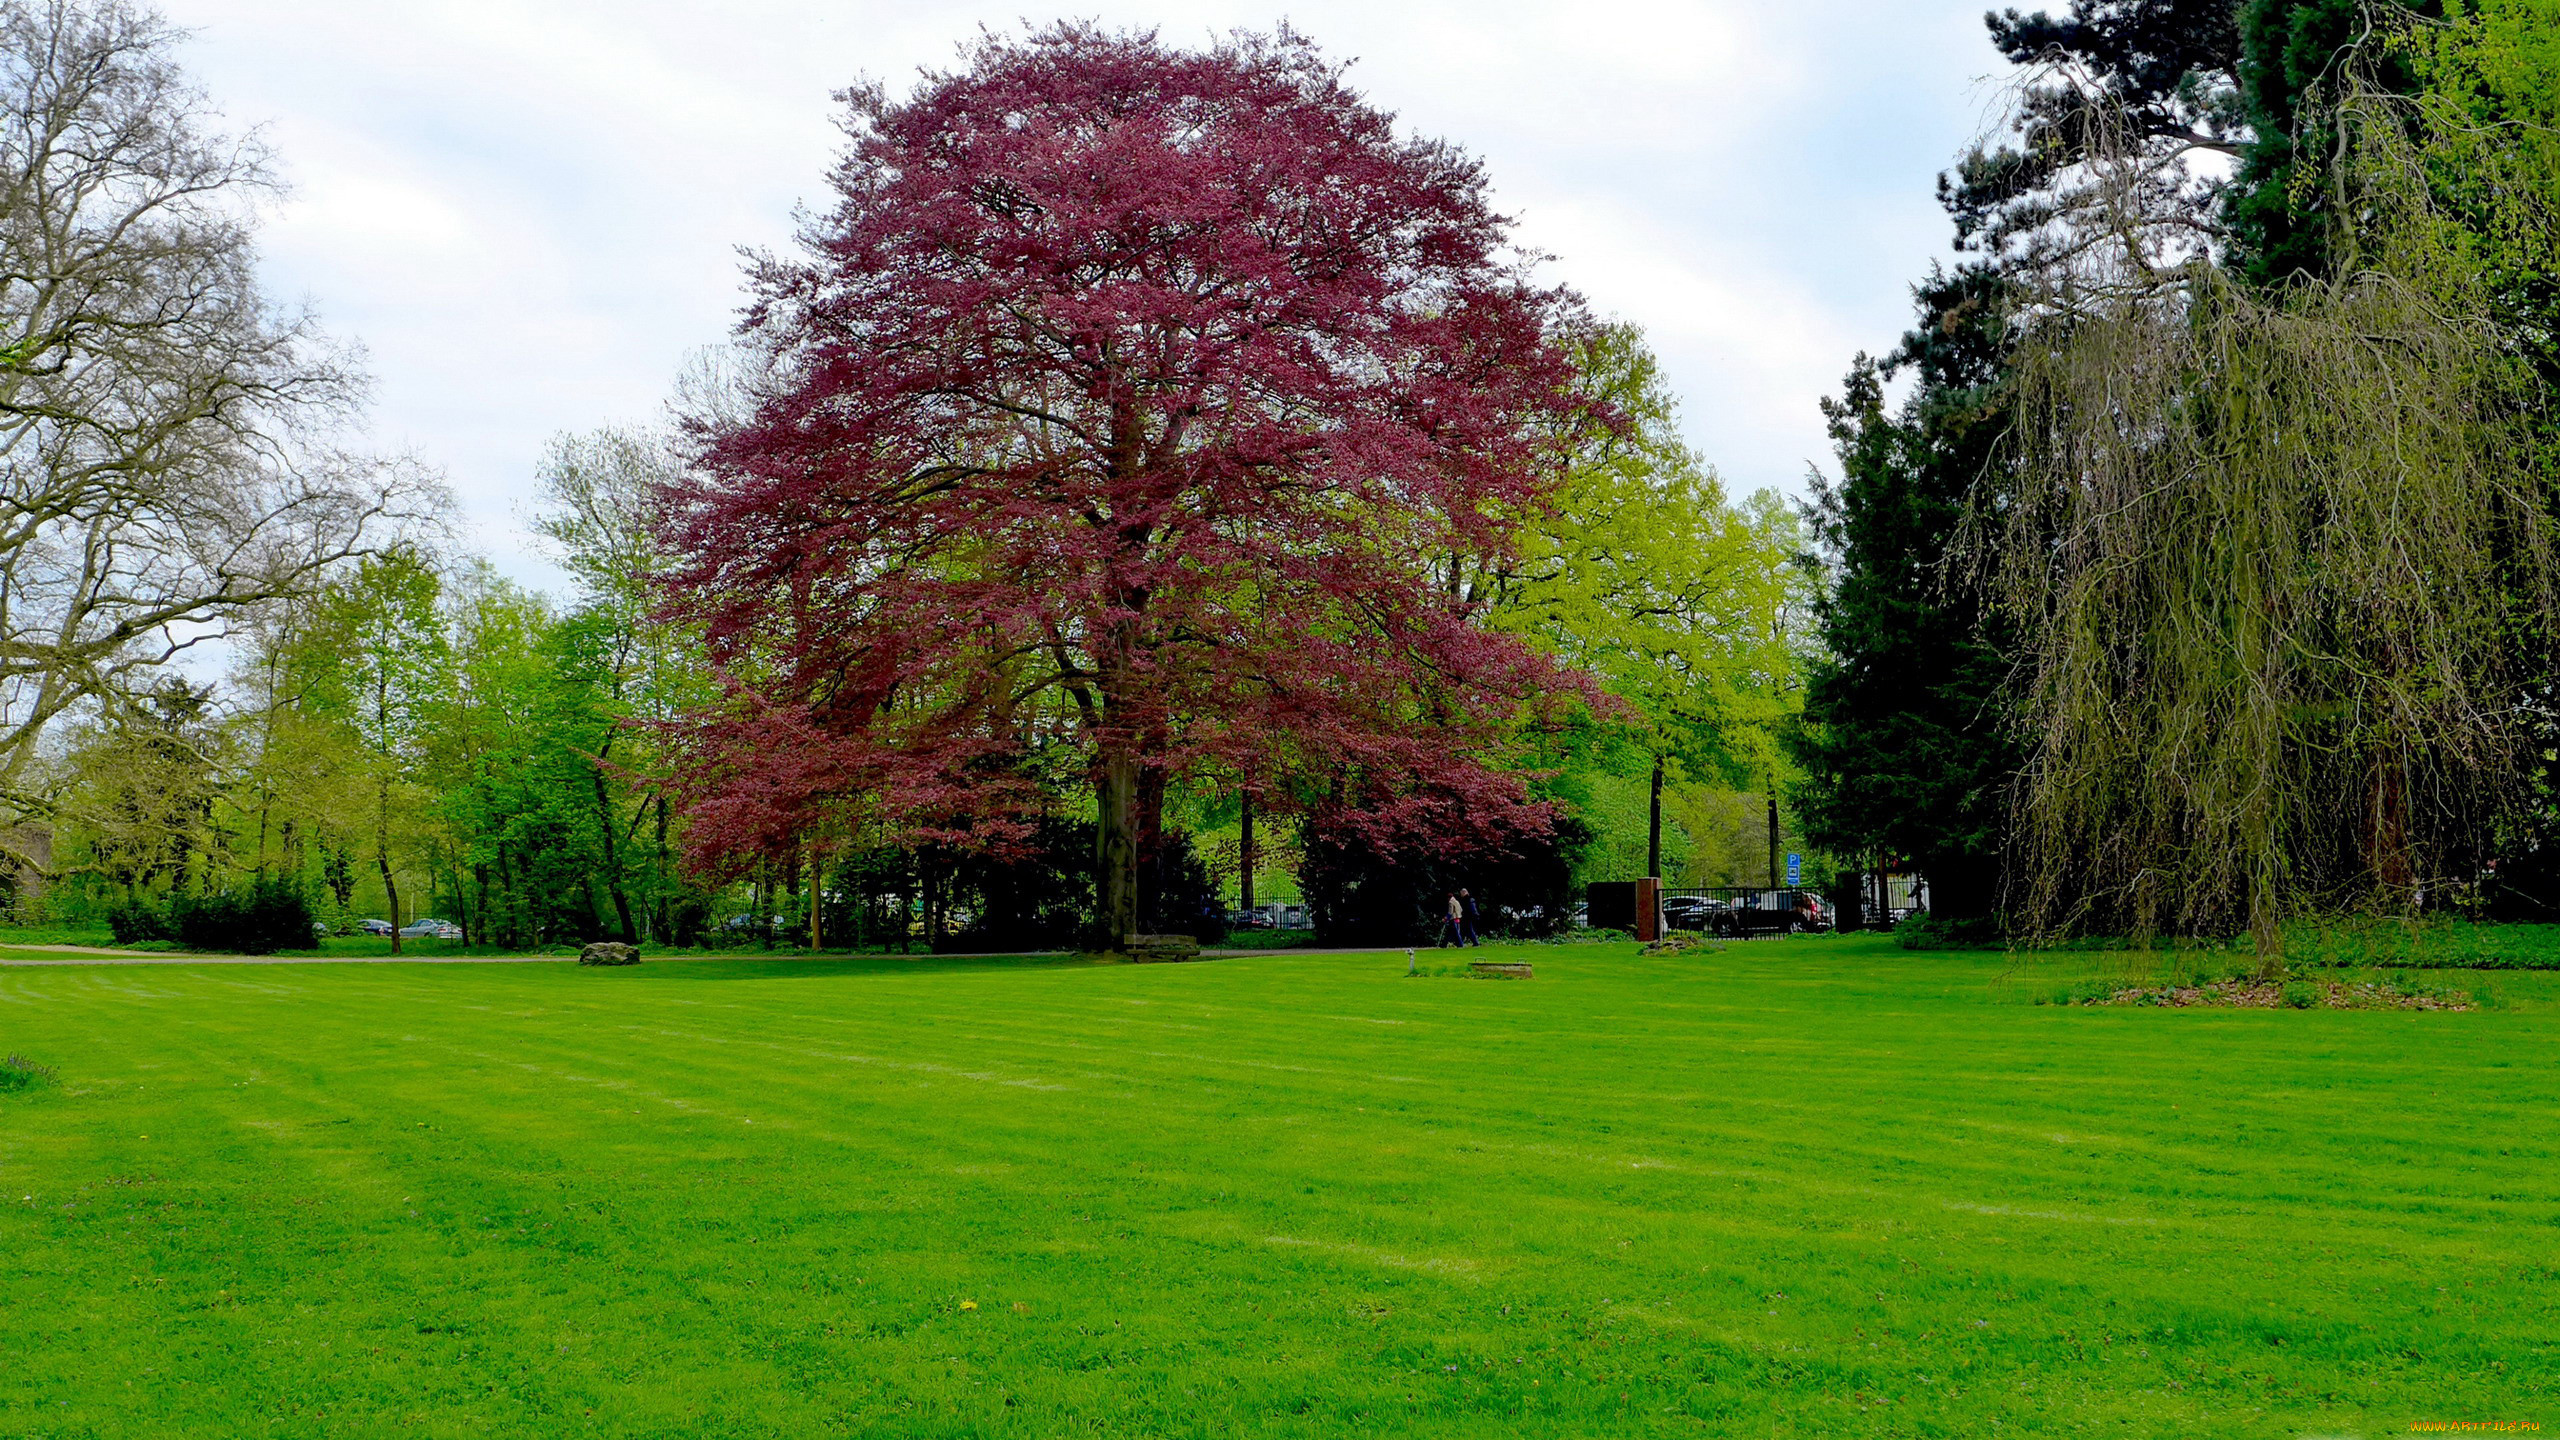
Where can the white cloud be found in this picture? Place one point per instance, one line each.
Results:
(528, 210)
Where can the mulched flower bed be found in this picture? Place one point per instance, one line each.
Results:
(2271, 995)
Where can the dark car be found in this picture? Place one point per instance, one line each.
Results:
(1691, 912)
(1775, 912)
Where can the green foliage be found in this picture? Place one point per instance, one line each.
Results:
(1687, 607)
(266, 915)
(2274, 637)
(1921, 930)
(131, 922)
(261, 916)
(144, 784)
(1904, 748)
(18, 1073)
(2286, 205)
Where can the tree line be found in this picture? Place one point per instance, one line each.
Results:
(2201, 581)
(1154, 473)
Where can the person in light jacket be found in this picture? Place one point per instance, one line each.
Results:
(1454, 931)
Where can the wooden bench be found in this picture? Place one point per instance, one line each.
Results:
(1163, 949)
(1503, 969)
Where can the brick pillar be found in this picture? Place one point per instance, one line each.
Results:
(1649, 908)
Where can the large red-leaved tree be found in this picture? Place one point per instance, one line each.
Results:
(1130, 405)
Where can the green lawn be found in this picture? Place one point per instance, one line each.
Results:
(1810, 1188)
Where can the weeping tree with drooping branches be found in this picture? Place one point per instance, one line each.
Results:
(1120, 423)
(2281, 559)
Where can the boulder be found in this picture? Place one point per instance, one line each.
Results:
(609, 952)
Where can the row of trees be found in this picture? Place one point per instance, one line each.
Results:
(1150, 463)
(1150, 454)
(2203, 580)
(425, 739)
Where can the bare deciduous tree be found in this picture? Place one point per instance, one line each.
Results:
(166, 452)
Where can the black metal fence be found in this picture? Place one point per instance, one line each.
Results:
(1741, 912)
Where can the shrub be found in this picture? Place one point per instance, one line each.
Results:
(260, 918)
(1922, 931)
(139, 921)
(2301, 995)
(17, 1072)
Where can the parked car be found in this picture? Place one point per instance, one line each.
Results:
(374, 927)
(1775, 912)
(1255, 919)
(1691, 912)
(432, 929)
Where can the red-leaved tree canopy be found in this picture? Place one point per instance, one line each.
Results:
(1122, 420)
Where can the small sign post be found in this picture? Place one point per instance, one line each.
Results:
(1795, 870)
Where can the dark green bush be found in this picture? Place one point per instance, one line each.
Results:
(1922, 931)
(17, 1072)
(259, 918)
(139, 921)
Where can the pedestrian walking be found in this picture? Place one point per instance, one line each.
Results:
(1455, 931)
(1470, 924)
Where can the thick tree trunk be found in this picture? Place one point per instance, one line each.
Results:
(1150, 841)
(1115, 862)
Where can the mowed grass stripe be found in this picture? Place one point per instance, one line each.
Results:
(1810, 1188)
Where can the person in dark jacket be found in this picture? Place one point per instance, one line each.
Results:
(1470, 930)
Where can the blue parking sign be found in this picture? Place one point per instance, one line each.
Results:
(1795, 869)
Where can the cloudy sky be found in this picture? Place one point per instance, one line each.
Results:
(529, 210)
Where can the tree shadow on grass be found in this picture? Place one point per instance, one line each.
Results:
(786, 967)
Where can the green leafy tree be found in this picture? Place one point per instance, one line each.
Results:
(1688, 608)
(378, 656)
(511, 844)
(641, 672)
(1904, 747)
(144, 785)
(2280, 553)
